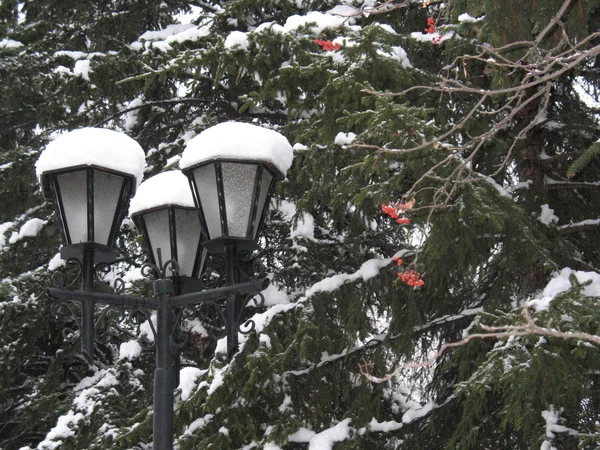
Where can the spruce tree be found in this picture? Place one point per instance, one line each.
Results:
(451, 139)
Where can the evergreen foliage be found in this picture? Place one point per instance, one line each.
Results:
(486, 128)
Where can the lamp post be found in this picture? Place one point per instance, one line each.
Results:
(90, 174)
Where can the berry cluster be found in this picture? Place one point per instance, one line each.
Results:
(411, 278)
(432, 29)
(393, 210)
(327, 46)
(430, 25)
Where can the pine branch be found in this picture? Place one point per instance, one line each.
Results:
(584, 225)
(529, 328)
(173, 101)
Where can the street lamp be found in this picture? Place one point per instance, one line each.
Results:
(163, 210)
(233, 179)
(91, 173)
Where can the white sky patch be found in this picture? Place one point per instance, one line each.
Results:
(9, 43)
(560, 283)
(237, 40)
(188, 381)
(237, 140)
(103, 147)
(31, 228)
(547, 216)
(152, 192)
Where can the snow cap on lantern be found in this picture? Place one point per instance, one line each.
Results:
(232, 168)
(94, 147)
(163, 210)
(166, 188)
(239, 141)
(91, 173)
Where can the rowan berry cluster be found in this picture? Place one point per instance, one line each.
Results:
(430, 26)
(393, 212)
(411, 278)
(432, 29)
(327, 46)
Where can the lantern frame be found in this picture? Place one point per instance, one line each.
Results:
(183, 283)
(218, 244)
(104, 252)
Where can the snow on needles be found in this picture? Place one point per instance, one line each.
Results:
(152, 192)
(93, 146)
(560, 283)
(237, 140)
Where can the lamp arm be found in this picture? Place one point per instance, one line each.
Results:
(105, 298)
(196, 298)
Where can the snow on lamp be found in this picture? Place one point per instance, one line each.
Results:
(232, 168)
(90, 174)
(163, 210)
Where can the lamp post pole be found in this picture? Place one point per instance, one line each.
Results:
(162, 420)
(87, 305)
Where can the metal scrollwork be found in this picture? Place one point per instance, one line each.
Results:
(249, 265)
(211, 314)
(100, 271)
(249, 325)
(70, 333)
(179, 337)
(150, 270)
(211, 280)
(130, 322)
(58, 277)
(103, 337)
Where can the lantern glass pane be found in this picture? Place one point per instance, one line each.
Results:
(238, 188)
(265, 183)
(187, 226)
(157, 225)
(73, 191)
(206, 184)
(107, 190)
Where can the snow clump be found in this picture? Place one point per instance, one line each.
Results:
(93, 147)
(240, 141)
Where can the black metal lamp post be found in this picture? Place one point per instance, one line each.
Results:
(172, 231)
